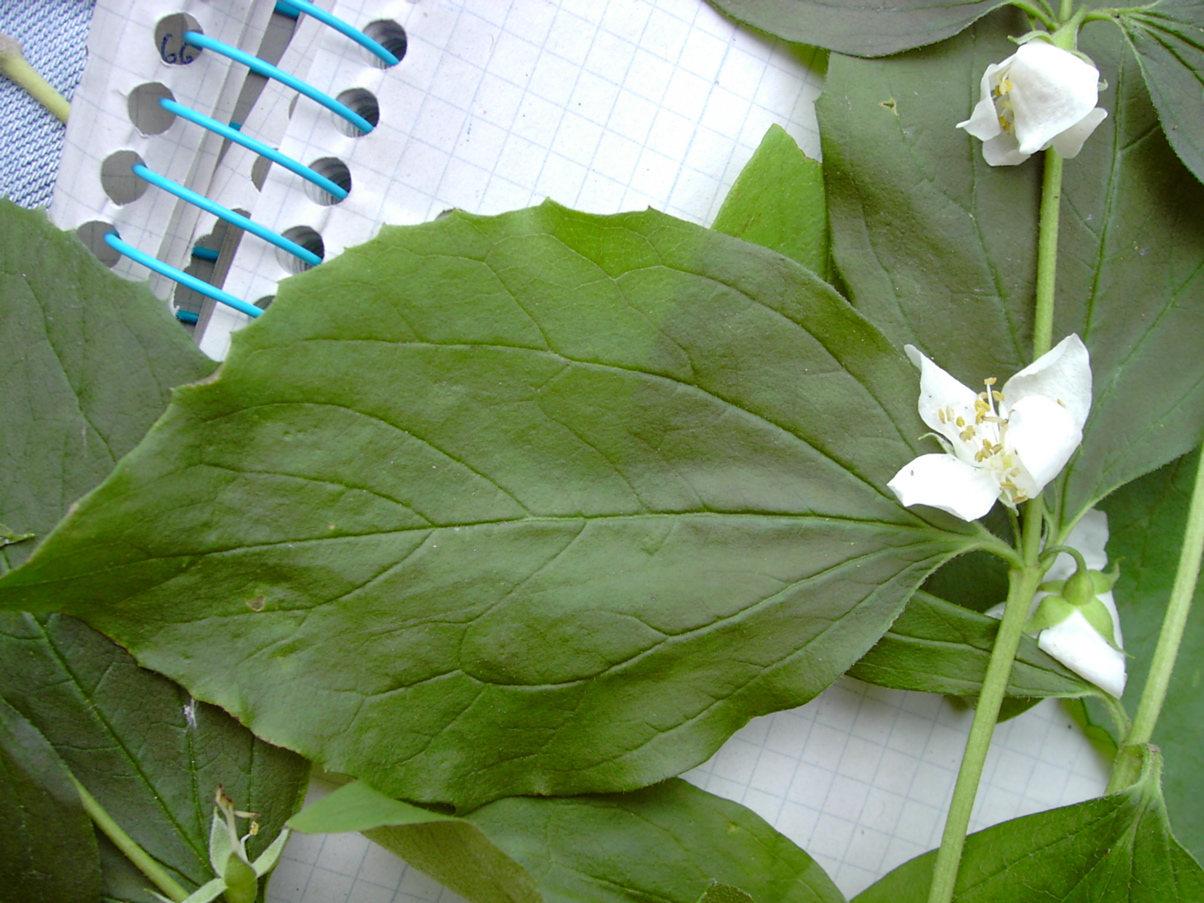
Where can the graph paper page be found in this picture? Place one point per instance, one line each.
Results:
(605, 105)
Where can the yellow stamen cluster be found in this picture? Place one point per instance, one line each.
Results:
(1003, 104)
(989, 429)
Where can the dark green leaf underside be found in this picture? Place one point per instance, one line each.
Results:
(49, 849)
(90, 362)
(938, 248)
(1168, 38)
(1146, 519)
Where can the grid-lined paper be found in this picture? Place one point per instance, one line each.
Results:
(601, 106)
(859, 778)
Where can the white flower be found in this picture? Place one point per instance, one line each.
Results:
(1075, 642)
(1007, 444)
(1040, 96)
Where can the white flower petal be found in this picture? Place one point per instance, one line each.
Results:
(1077, 645)
(1063, 373)
(1070, 142)
(939, 391)
(1044, 436)
(984, 121)
(1003, 150)
(1052, 91)
(1090, 537)
(947, 483)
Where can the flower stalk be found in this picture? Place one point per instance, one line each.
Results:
(1127, 767)
(14, 65)
(1022, 584)
(129, 847)
(1047, 252)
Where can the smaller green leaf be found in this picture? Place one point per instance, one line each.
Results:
(49, 848)
(672, 842)
(1168, 38)
(1115, 849)
(859, 27)
(778, 201)
(938, 647)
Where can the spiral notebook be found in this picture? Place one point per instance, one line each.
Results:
(490, 105)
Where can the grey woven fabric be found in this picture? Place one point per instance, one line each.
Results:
(54, 36)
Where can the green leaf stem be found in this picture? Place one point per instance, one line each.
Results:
(540, 503)
(859, 27)
(672, 842)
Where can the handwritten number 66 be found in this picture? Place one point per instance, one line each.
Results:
(185, 55)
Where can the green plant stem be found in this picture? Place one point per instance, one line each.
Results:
(1174, 622)
(129, 847)
(14, 65)
(1022, 584)
(1047, 253)
(1033, 12)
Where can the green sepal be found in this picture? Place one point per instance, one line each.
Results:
(1052, 610)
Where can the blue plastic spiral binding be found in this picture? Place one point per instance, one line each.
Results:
(223, 212)
(267, 70)
(264, 150)
(114, 241)
(293, 7)
(231, 132)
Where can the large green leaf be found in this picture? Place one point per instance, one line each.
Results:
(1146, 520)
(90, 359)
(1168, 38)
(938, 248)
(49, 850)
(538, 503)
(938, 647)
(671, 843)
(859, 27)
(778, 201)
(88, 363)
(1116, 849)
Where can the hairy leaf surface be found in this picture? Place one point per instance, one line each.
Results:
(672, 842)
(1168, 38)
(538, 503)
